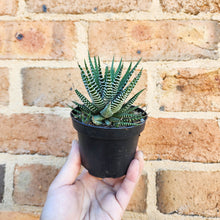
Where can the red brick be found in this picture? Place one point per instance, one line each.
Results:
(8, 7)
(154, 40)
(191, 6)
(138, 200)
(51, 87)
(2, 181)
(37, 40)
(4, 86)
(6, 215)
(189, 193)
(55, 87)
(31, 183)
(190, 90)
(80, 6)
(37, 133)
(181, 140)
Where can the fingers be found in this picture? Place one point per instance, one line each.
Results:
(126, 189)
(112, 181)
(70, 170)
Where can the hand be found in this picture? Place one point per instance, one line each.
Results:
(87, 197)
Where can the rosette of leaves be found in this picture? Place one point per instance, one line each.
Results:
(108, 91)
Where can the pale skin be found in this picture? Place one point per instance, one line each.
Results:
(73, 197)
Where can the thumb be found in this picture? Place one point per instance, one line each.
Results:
(127, 187)
(70, 169)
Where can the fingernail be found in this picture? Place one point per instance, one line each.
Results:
(140, 155)
(74, 142)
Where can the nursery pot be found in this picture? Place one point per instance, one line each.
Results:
(107, 151)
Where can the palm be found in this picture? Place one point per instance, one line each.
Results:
(99, 198)
(88, 197)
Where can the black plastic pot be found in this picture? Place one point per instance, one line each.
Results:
(107, 152)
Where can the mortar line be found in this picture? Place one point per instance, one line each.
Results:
(82, 45)
(181, 166)
(130, 215)
(36, 210)
(151, 199)
(156, 7)
(65, 113)
(8, 191)
(150, 164)
(15, 89)
(151, 91)
(159, 64)
(26, 159)
(21, 9)
(161, 216)
(153, 14)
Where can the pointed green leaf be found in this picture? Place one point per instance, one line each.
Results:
(127, 76)
(94, 89)
(83, 108)
(119, 100)
(84, 79)
(93, 70)
(95, 96)
(96, 122)
(107, 112)
(107, 122)
(131, 101)
(119, 68)
(107, 94)
(97, 119)
(117, 81)
(112, 70)
(86, 102)
(125, 124)
(101, 79)
(98, 76)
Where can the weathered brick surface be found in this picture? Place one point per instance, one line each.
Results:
(154, 40)
(37, 40)
(2, 181)
(189, 193)
(190, 90)
(138, 199)
(181, 139)
(17, 216)
(190, 6)
(31, 183)
(37, 133)
(4, 86)
(55, 87)
(51, 87)
(71, 6)
(8, 7)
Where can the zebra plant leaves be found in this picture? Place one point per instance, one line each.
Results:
(108, 92)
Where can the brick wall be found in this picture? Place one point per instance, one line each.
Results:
(41, 42)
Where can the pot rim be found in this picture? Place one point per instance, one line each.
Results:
(110, 128)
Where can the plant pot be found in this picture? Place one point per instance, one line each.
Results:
(105, 151)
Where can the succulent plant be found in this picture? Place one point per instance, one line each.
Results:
(108, 92)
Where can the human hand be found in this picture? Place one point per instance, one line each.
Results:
(88, 197)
